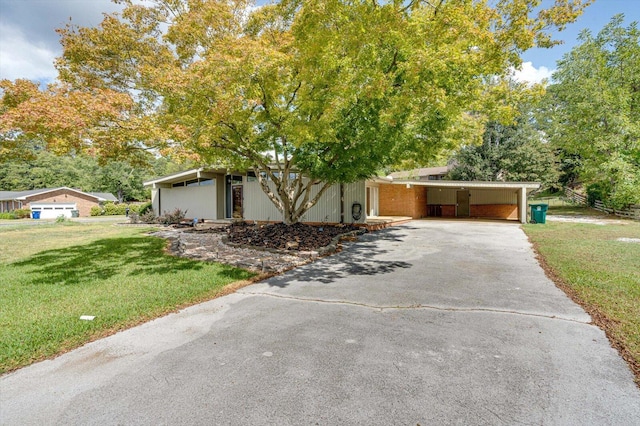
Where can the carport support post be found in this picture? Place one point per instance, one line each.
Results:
(522, 205)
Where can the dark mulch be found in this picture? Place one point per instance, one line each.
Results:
(300, 236)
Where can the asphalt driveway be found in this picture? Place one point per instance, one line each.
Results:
(432, 322)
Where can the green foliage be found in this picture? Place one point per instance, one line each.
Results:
(597, 192)
(61, 219)
(22, 213)
(7, 215)
(144, 208)
(508, 153)
(43, 169)
(593, 111)
(96, 211)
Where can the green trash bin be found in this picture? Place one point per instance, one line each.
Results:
(75, 213)
(539, 213)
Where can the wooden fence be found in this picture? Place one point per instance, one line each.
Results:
(633, 212)
(575, 197)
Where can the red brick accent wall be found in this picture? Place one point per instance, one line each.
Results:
(83, 203)
(500, 211)
(449, 211)
(398, 200)
(493, 211)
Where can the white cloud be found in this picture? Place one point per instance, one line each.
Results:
(530, 74)
(28, 41)
(21, 58)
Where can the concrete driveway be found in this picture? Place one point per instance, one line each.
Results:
(432, 322)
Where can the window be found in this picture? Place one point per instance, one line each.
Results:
(235, 179)
(251, 177)
(177, 184)
(207, 182)
(192, 182)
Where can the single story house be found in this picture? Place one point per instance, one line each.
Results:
(215, 194)
(53, 202)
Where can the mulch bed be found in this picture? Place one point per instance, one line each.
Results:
(299, 236)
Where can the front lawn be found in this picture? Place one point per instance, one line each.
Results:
(598, 266)
(50, 275)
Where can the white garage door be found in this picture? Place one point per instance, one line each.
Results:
(53, 210)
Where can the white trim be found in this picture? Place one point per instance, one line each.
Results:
(467, 184)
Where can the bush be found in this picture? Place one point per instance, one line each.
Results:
(148, 217)
(111, 209)
(7, 215)
(22, 213)
(96, 211)
(173, 217)
(144, 208)
(598, 191)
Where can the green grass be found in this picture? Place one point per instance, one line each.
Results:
(602, 272)
(50, 275)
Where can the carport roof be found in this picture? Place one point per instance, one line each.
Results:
(461, 184)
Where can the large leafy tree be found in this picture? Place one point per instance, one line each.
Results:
(333, 89)
(593, 112)
(511, 152)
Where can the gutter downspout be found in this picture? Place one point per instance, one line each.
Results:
(341, 203)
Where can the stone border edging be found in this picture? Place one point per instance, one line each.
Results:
(322, 251)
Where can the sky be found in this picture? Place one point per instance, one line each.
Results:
(29, 43)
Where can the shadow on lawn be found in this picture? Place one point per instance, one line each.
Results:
(103, 259)
(358, 259)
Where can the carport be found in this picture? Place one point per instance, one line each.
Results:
(475, 199)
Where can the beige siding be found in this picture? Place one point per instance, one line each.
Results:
(257, 205)
(441, 196)
(199, 201)
(446, 196)
(494, 196)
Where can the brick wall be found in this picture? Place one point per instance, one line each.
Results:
(83, 202)
(490, 211)
(398, 200)
(449, 211)
(499, 211)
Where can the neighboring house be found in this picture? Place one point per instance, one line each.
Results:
(53, 202)
(214, 194)
(427, 173)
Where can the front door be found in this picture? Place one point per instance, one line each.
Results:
(236, 199)
(462, 203)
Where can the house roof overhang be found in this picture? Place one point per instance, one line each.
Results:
(185, 175)
(457, 184)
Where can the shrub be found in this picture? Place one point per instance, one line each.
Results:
(61, 219)
(22, 213)
(111, 209)
(173, 217)
(147, 217)
(144, 208)
(96, 211)
(7, 215)
(598, 191)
